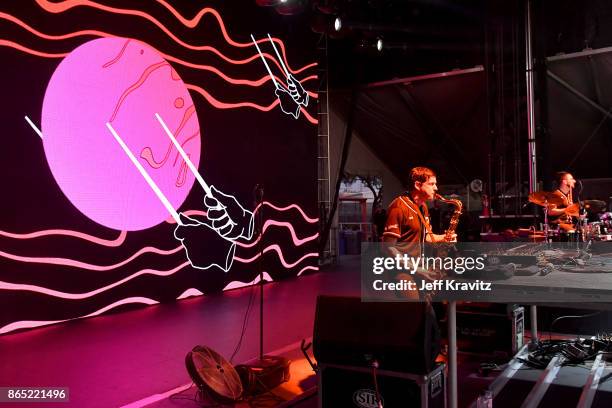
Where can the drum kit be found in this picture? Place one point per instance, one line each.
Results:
(585, 229)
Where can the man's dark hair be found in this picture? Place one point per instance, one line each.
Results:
(420, 174)
(560, 175)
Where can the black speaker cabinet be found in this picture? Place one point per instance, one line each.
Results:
(497, 330)
(345, 387)
(402, 336)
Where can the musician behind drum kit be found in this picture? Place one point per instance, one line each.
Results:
(572, 217)
(562, 215)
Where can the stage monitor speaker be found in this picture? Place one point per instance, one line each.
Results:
(401, 336)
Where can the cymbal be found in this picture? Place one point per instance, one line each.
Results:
(548, 197)
(594, 206)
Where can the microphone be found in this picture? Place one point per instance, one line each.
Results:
(580, 190)
(258, 192)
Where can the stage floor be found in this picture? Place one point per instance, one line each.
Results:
(137, 356)
(119, 358)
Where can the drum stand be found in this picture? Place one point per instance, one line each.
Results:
(546, 237)
(583, 222)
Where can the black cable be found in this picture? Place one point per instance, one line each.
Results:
(198, 398)
(245, 323)
(258, 192)
(262, 398)
(569, 317)
(575, 352)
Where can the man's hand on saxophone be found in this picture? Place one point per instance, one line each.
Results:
(440, 238)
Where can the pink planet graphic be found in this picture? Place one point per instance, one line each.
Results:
(124, 82)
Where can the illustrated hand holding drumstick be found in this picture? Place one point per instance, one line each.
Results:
(225, 216)
(294, 96)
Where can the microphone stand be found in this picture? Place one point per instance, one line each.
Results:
(269, 371)
(259, 192)
(546, 237)
(582, 214)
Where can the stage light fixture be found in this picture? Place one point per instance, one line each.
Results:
(379, 44)
(290, 7)
(337, 24)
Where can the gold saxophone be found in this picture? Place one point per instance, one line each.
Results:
(448, 235)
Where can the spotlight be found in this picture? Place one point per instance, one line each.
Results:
(337, 24)
(379, 44)
(290, 7)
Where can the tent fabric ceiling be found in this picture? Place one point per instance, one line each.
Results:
(580, 135)
(440, 122)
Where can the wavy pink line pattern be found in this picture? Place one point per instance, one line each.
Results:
(68, 4)
(195, 20)
(98, 33)
(75, 234)
(290, 206)
(85, 295)
(314, 268)
(187, 213)
(224, 105)
(267, 203)
(119, 240)
(296, 241)
(22, 48)
(209, 98)
(308, 116)
(308, 219)
(84, 265)
(189, 293)
(164, 273)
(227, 78)
(278, 250)
(238, 284)
(28, 324)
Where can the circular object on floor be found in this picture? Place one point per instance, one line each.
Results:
(213, 375)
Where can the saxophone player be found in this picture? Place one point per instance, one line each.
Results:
(407, 215)
(408, 227)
